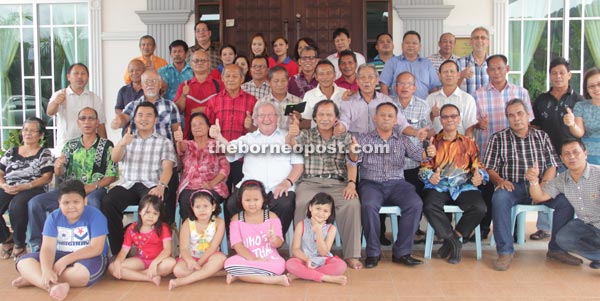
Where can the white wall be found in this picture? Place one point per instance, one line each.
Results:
(466, 15)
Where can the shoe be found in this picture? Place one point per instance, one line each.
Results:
(539, 235)
(419, 232)
(503, 262)
(564, 257)
(444, 250)
(455, 249)
(384, 241)
(372, 261)
(595, 264)
(406, 260)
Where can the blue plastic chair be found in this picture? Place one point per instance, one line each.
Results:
(519, 220)
(394, 212)
(458, 214)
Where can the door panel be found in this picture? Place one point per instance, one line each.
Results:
(317, 19)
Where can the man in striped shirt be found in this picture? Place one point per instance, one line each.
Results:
(509, 154)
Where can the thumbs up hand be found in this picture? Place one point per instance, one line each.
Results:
(248, 121)
(533, 174)
(569, 118)
(215, 130)
(178, 135)
(431, 150)
(477, 179)
(294, 128)
(62, 97)
(186, 88)
(435, 177)
(128, 137)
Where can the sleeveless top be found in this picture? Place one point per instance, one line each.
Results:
(200, 242)
(309, 245)
(241, 216)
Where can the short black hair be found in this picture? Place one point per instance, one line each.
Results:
(71, 186)
(449, 105)
(253, 184)
(189, 125)
(387, 103)
(146, 104)
(413, 33)
(572, 140)
(78, 64)
(147, 37)
(228, 46)
(381, 35)
(340, 30)
(309, 42)
(347, 52)
(178, 43)
(322, 198)
(496, 56)
(323, 102)
(448, 62)
(325, 62)
(277, 68)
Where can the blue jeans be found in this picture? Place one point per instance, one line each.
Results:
(580, 238)
(502, 203)
(47, 202)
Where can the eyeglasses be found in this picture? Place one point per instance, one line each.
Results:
(404, 84)
(258, 67)
(151, 81)
(199, 61)
(594, 86)
(446, 117)
(29, 131)
(263, 116)
(86, 118)
(306, 58)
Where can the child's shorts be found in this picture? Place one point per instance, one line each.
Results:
(96, 266)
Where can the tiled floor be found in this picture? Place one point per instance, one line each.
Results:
(531, 277)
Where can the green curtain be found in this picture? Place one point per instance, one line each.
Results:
(8, 50)
(592, 30)
(532, 30)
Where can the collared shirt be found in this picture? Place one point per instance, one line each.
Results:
(168, 115)
(426, 77)
(257, 91)
(142, 162)
(510, 155)
(173, 78)
(200, 93)
(66, 116)
(270, 167)
(202, 165)
(315, 95)
(126, 95)
(387, 165)
(342, 82)
(456, 160)
(417, 114)
(213, 54)
(549, 113)
(357, 115)
(290, 65)
(231, 112)
(334, 59)
(379, 64)
(328, 162)
(491, 103)
(583, 195)
(437, 59)
(480, 77)
(463, 100)
(158, 62)
(80, 161)
(299, 85)
(288, 100)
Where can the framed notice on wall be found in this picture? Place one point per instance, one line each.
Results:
(463, 47)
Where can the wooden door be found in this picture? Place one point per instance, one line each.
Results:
(293, 19)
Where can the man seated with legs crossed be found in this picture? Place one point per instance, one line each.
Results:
(451, 178)
(382, 183)
(580, 186)
(508, 155)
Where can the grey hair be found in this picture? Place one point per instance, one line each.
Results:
(263, 103)
(366, 66)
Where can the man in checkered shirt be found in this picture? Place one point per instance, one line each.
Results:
(580, 186)
(147, 159)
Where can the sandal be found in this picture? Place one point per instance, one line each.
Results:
(7, 247)
(539, 235)
(18, 252)
(354, 263)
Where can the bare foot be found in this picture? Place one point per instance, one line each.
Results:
(229, 278)
(60, 291)
(155, 280)
(340, 279)
(354, 263)
(284, 280)
(20, 282)
(172, 284)
(291, 277)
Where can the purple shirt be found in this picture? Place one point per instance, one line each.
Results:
(298, 84)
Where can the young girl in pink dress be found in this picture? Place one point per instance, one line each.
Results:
(313, 238)
(255, 236)
(152, 240)
(199, 240)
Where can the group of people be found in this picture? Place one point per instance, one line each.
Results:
(297, 142)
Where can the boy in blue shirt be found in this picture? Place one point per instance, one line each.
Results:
(74, 249)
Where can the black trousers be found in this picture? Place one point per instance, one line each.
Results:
(17, 206)
(113, 205)
(470, 202)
